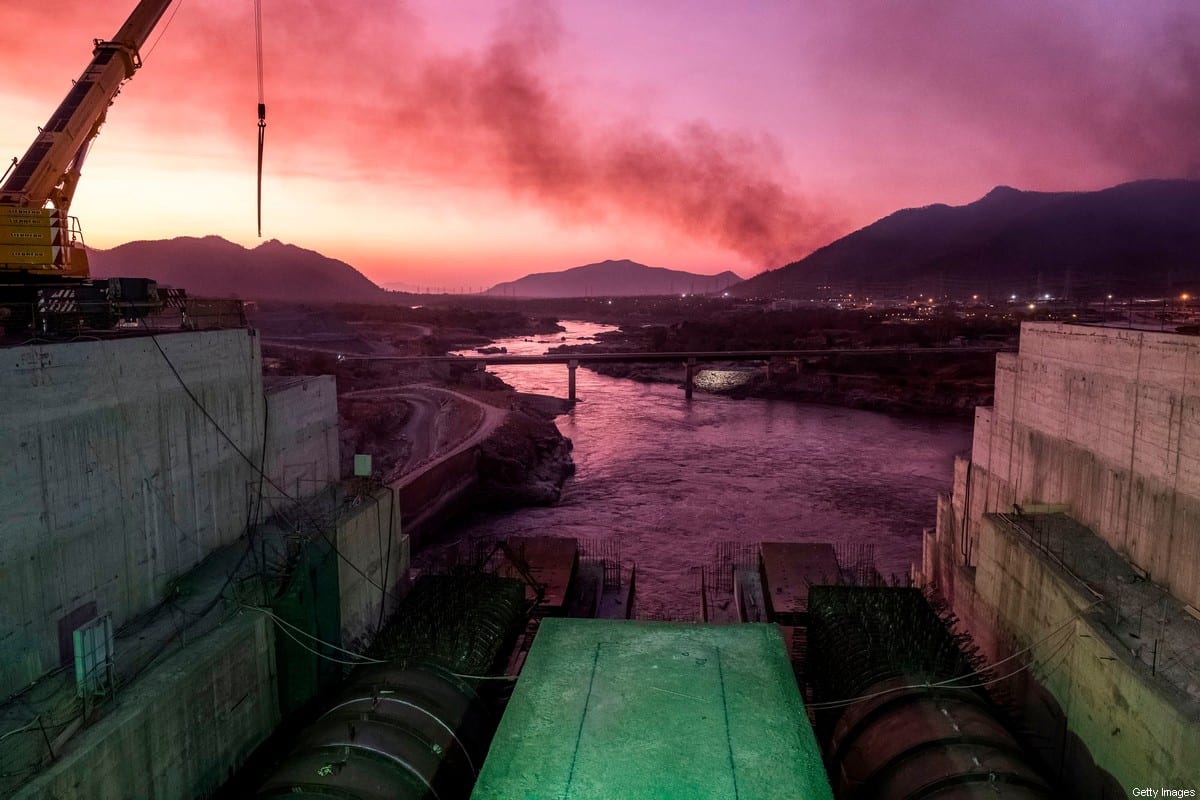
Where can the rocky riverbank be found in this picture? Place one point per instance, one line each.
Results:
(945, 388)
(526, 460)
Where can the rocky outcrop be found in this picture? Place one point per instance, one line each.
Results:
(524, 462)
(946, 397)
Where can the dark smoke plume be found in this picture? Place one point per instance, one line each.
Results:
(494, 117)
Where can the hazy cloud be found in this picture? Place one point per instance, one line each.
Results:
(1118, 81)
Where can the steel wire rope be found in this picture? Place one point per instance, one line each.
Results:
(262, 104)
(163, 32)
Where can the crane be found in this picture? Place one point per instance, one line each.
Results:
(39, 240)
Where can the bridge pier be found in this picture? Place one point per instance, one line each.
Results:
(571, 365)
(690, 378)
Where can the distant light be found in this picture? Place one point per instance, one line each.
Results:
(931, 299)
(974, 297)
(610, 302)
(1014, 297)
(1032, 306)
(1110, 297)
(1045, 297)
(725, 294)
(1185, 296)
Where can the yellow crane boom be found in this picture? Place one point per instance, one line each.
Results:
(38, 239)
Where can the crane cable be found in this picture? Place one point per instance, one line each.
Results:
(162, 32)
(262, 105)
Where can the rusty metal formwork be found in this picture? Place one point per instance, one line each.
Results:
(607, 553)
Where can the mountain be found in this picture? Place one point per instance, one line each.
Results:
(622, 278)
(214, 267)
(1140, 238)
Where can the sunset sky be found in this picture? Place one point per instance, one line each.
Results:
(463, 143)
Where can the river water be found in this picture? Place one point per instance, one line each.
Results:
(672, 478)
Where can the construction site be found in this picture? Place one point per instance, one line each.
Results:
(1071, 542)
(202, 594)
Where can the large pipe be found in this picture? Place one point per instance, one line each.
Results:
(912, 741)
(393, 734)
(901, 706)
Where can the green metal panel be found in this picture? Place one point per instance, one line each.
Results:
(310, 602)
(654, 711)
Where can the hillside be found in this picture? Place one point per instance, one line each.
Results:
(1139, 238)
(214, 267)
(622, 278)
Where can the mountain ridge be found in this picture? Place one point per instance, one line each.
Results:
(211, 266)
(612, 278)
(1134, 238)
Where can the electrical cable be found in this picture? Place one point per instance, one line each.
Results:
(387, 559)
(949, 683)
(292, 636)
(943, 684)
(318, 640)
(267, 478)
(1016, 671)
(27, 726)
(252, 525)
(365, 660)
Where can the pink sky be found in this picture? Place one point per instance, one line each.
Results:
(461, 144)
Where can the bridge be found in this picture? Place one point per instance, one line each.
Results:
(690, 359)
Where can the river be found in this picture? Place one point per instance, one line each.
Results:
(672, 478)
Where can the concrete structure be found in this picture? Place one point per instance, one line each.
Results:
(302, 435)
(133, 473)
(372, 565)
(550, 561)
(182, 730)
(789, 569)
(114, 482)
(1100, 427)
(653, 711)
(1116, 679)
(118, 483)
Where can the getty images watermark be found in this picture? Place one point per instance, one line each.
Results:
(1164, 791)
